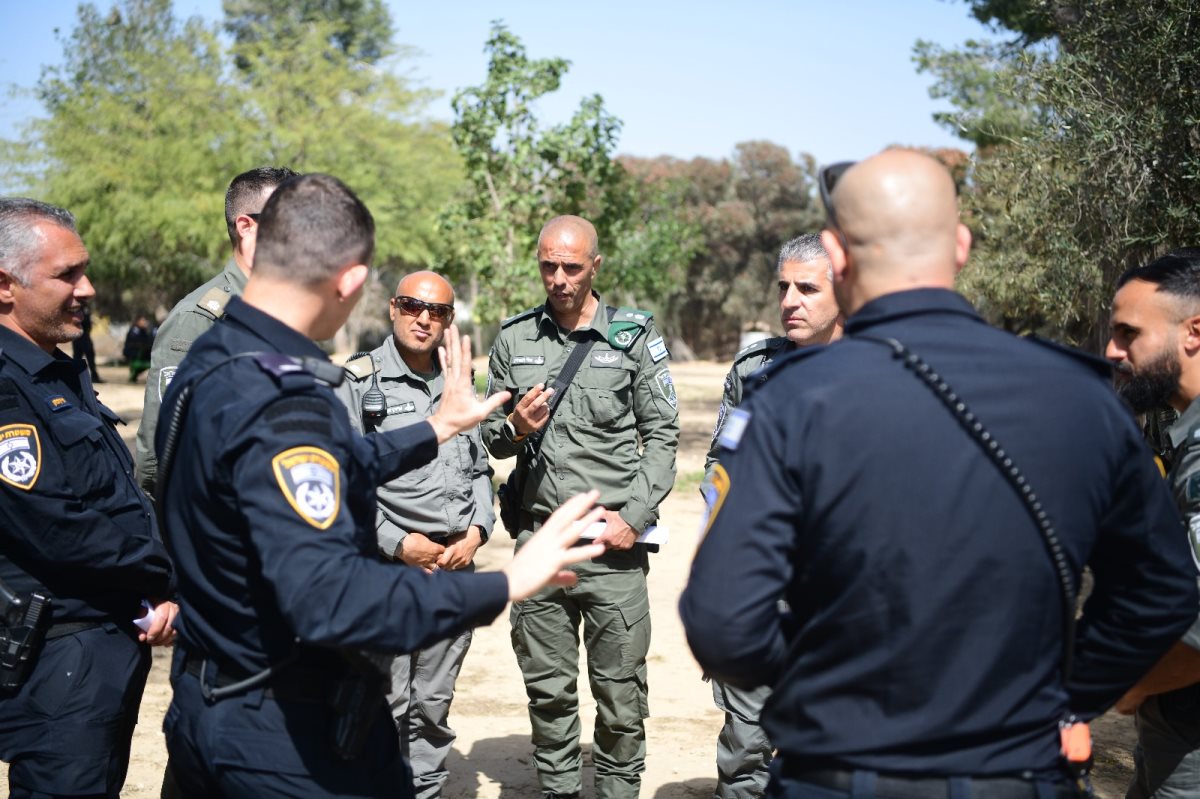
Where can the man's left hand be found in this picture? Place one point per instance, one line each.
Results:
(460, 549)
(617, 533)
(162, 629)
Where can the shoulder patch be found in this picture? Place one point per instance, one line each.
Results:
(1099, 365)
(666, 387)
(657, 349)
(360, 368)
(626, 325)
(762, 346)
(20, 455)
(165, 376)
(213, 301)
(714, 497)
(735, 428)
(309, 478)
(518, 317)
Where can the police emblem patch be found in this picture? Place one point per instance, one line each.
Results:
(666, 387)
(714, 497)
(165, 376)
(309, 478)
(20, 455)
(623, 337)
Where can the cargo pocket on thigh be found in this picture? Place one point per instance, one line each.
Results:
(520, 644)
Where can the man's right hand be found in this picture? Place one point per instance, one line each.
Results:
(460, 409)
(417, 550)
(544, 558)
(533, 411)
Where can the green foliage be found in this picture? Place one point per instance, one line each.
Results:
(359, 29)
(520, 176)
(1035, 20)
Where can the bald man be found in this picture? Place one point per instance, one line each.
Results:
(615, 428)
(432, 518)
(923, 654)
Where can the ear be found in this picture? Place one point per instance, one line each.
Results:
(837, 254)
(7, 284)
(391, 311)
(1190, 340)
(350, 281)
(246, 228)
(596, 264)
(962, 246)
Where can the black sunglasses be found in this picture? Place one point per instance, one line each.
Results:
(413, 307)
(826, 180)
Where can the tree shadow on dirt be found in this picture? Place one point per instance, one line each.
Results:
(506, 761)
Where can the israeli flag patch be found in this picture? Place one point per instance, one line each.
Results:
(657, 349)
(735, 427)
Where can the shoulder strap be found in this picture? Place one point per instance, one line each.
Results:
(1004, 462)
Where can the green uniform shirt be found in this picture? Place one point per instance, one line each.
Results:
(441, 498)
(622, 396)
(749, 359)
(1185, 484)
(190, 317)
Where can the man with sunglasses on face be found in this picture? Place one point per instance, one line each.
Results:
(200, 310)
(433, 517)
(925, 495)
(620, 397)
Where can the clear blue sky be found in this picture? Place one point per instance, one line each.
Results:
(834, 79)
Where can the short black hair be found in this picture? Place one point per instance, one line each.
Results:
(245, 191)
(312, 226)
(1177, 273)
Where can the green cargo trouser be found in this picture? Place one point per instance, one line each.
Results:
(611, 601)
(743, 750)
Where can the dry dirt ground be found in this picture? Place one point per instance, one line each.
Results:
(491, 759)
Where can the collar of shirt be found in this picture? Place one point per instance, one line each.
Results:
(548, 324)
(910, 303)
(235, 276)
(30, 356)
(1190, 418)
(392, 366)
(275, 334)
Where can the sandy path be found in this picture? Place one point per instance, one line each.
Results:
(491, 759)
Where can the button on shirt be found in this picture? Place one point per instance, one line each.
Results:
(441, 498)
(73, 521)
(270, 509)
(927, 634)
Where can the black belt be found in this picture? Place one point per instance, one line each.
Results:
(290, 683)
(897, 787)
(70, 628)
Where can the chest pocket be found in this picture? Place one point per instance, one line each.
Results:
(87, 467)
(604, 394)
(525, 372)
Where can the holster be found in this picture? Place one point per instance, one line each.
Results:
(26, 620)
(508, 497)
(356, 700)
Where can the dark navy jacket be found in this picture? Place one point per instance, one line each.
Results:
(270, 513)
(72, 520)
(927, 626)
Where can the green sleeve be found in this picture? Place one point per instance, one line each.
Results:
(731, 397)
(495, 437)
(174, 339)
(655, 410)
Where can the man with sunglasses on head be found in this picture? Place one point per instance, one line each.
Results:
(433, 517)
(200, 310)
(925, 495)
(615, 428)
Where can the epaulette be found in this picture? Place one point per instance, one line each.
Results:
(360, 368)
(518, 317)
(1097, 364)
(762, 345)
(214, 301)
(760, 376)
(626, 325)
(292, 372)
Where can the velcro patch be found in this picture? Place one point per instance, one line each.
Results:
(309, 478)
(735, 427)
(666, 387)
(58, 403)
(404, 407)
(20, 455)
(657, 349)
(528, 360)
(606, 359)
(165, 376)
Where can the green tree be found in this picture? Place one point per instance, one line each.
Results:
(360, 29)
(519, 175)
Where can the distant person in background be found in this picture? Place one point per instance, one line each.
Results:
(138, 343)
(82, 349)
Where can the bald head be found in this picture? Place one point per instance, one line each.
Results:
(428, 286)
(574, 227)
(897, 216)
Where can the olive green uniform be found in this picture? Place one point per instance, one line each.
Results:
(622, 395)
(743, 749)
(191, 316)
(1167, 756)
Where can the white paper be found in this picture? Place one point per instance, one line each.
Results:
(147, 620)
(654, 534)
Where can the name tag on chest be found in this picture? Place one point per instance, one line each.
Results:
(404, 407)
(529, 360)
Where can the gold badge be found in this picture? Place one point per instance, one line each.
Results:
(309, 478)
(20, 455)
(715, 495)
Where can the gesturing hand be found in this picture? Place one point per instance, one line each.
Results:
(460, 409)
(533, 410)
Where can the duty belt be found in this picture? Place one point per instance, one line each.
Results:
(293, 684)
(891, 786)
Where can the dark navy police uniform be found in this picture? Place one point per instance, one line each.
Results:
(270, 516)
(926, 635)
(75, 526)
